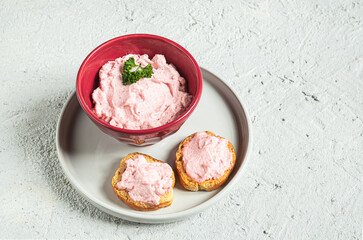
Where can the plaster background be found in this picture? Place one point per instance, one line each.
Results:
(297, 66)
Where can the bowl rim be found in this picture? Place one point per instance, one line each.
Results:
(176, 121)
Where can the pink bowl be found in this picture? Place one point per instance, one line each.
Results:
(88, 80)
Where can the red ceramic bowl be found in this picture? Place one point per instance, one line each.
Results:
(88, 80)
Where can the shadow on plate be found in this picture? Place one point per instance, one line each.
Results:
(35, 128)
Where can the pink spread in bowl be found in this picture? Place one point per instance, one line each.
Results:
(148, 103)
(88, 80)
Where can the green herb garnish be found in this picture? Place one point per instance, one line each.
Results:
(134, 76)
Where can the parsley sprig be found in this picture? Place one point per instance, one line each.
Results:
(131, 77)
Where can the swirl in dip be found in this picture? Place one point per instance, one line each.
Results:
(148, 103)
(146, 181)
(206, 157)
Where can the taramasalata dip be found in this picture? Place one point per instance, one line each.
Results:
(147, 103)
(206, 157)
(146, 181)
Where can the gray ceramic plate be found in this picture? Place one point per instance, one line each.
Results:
(90, 158)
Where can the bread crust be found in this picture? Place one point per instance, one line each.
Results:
(123, 195)
(208, 185)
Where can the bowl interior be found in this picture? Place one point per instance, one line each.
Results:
(88, 75)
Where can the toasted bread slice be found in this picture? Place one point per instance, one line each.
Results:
(207, 185)
(123, 195)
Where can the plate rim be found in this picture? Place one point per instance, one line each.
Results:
(167, 217)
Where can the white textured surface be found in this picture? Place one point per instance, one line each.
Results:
(297, 65)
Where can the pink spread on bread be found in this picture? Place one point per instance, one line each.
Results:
(146, 181)
(148, 103)
(206, 157)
